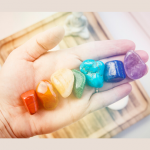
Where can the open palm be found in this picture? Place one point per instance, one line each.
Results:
(27, 65)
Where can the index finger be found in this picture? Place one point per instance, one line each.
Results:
(102, 49)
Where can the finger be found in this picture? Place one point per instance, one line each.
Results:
(107, 86)
(144, 56)
(102, 49)
(103, 99)
(41, 43)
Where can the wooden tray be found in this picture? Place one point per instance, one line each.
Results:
(104, 122)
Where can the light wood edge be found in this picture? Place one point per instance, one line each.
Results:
(146, 112)
(95, 25)
(33, 27)
(46, 136)
(140, 87)
(42, 136)
(102, 25)
(28, 29)
(138, 83)
(143, 91)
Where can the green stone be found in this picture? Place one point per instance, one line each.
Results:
(79, 83)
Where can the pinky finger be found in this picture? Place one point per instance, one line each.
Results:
(103, 99)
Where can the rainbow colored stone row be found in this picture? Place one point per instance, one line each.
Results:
(92, 72)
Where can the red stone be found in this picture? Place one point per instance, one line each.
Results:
(30, 101)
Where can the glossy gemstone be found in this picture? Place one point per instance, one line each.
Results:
(114, 71)
(79, 83)
(134, 66)
(63, 80)
(30, 101)
(93, 70)
(47, 94)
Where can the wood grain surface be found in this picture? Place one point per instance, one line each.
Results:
(105, 122)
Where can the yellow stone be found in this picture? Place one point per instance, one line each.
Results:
(63, 81)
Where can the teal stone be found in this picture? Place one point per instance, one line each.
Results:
(79, 83)
(93, 70)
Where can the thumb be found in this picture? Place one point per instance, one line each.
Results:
(41, 43)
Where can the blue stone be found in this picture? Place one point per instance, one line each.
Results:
(93, 71)
(114, 71)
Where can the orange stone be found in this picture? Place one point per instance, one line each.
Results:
(47, 94)
(30, 101)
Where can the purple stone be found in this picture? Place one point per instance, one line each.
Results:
(134, 66)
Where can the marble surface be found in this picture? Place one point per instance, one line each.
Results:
(122, 25)
(139, 130)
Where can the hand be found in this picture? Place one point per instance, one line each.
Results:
(30, 63)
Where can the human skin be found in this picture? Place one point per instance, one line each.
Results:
(30, 63)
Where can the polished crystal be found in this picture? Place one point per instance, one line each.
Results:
(134, 66)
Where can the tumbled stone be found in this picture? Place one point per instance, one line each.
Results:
(134, 66)
(30, 101)
(93, 71)
(114, 71)
(79, 83)
(47, 94)
(63, 80)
